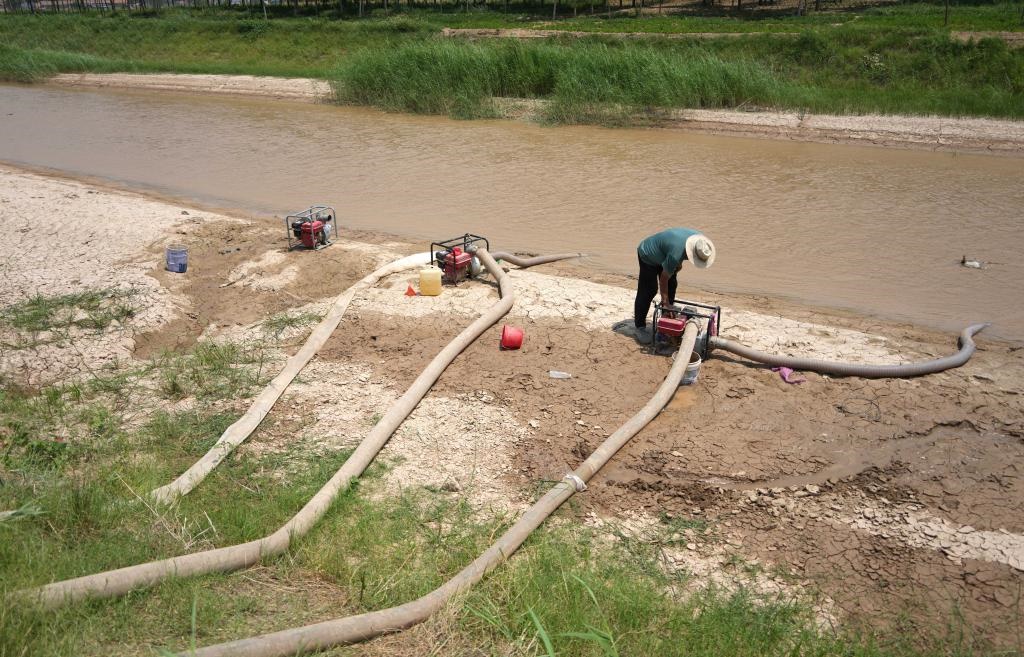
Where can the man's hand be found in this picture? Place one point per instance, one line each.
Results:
(663, 289)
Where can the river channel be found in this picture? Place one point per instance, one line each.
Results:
(881, 231)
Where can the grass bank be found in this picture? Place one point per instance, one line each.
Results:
(37, 46)
(595, 81)
(890, 60)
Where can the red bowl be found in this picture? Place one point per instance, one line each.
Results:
(511, 337)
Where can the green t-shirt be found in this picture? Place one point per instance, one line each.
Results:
(666, 249)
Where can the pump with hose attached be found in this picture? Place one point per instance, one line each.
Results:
(670, 319)
(456, 257)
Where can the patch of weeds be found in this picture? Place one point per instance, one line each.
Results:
(391, 551)
(34, 425)
(99, 423)
(191, 432)
(780, 572)
(27, 510)
(210, 371)
(753, 568)
(278, 325)
(570, 594)
(91, 309)
(252, 29)
(43, 429)
(676, 525)
(116, 386)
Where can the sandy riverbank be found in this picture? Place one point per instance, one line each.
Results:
(873, 497)
(932, 133)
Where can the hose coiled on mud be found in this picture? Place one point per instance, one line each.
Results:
(965, 344)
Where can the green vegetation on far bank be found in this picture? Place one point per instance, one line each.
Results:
(884, 60)
(849, 72)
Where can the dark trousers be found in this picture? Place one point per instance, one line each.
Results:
(647, 289)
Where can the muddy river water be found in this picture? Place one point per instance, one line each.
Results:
(875, 230)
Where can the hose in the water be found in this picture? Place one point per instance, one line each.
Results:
(123, 580)
(966, 349)
(352, 629)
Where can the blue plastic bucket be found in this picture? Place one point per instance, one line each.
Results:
(177, 258)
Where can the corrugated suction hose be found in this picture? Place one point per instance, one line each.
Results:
(965, 344)
(352, 629)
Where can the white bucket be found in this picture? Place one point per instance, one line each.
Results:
(692, 370)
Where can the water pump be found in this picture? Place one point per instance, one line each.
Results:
(455, 259)
(312, 228)
(670, 321)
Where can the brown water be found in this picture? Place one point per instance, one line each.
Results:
(876, 230)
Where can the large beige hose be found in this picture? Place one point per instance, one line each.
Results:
(352, 629)
(965, 349)
(243, 427)
(122, 580)
(520, 261)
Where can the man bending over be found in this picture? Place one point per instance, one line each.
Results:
(661, 256)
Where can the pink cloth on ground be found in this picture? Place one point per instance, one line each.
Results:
(787, 375)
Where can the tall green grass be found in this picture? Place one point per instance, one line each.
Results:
(461, 79)
(852, 71)
(22, 65)
(39, 46)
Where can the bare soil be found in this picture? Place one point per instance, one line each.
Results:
(1012, 39)
(895, 499)
(302, 89)
(890, 502)
(527, 33)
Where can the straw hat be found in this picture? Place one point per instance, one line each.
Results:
(700, 251)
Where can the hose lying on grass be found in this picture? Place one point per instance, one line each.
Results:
(321, 636)
(965, 344)
(123, 580)
(243, 427)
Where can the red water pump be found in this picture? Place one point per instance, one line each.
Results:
(312, 228)
(670, 322)
(455, 259)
